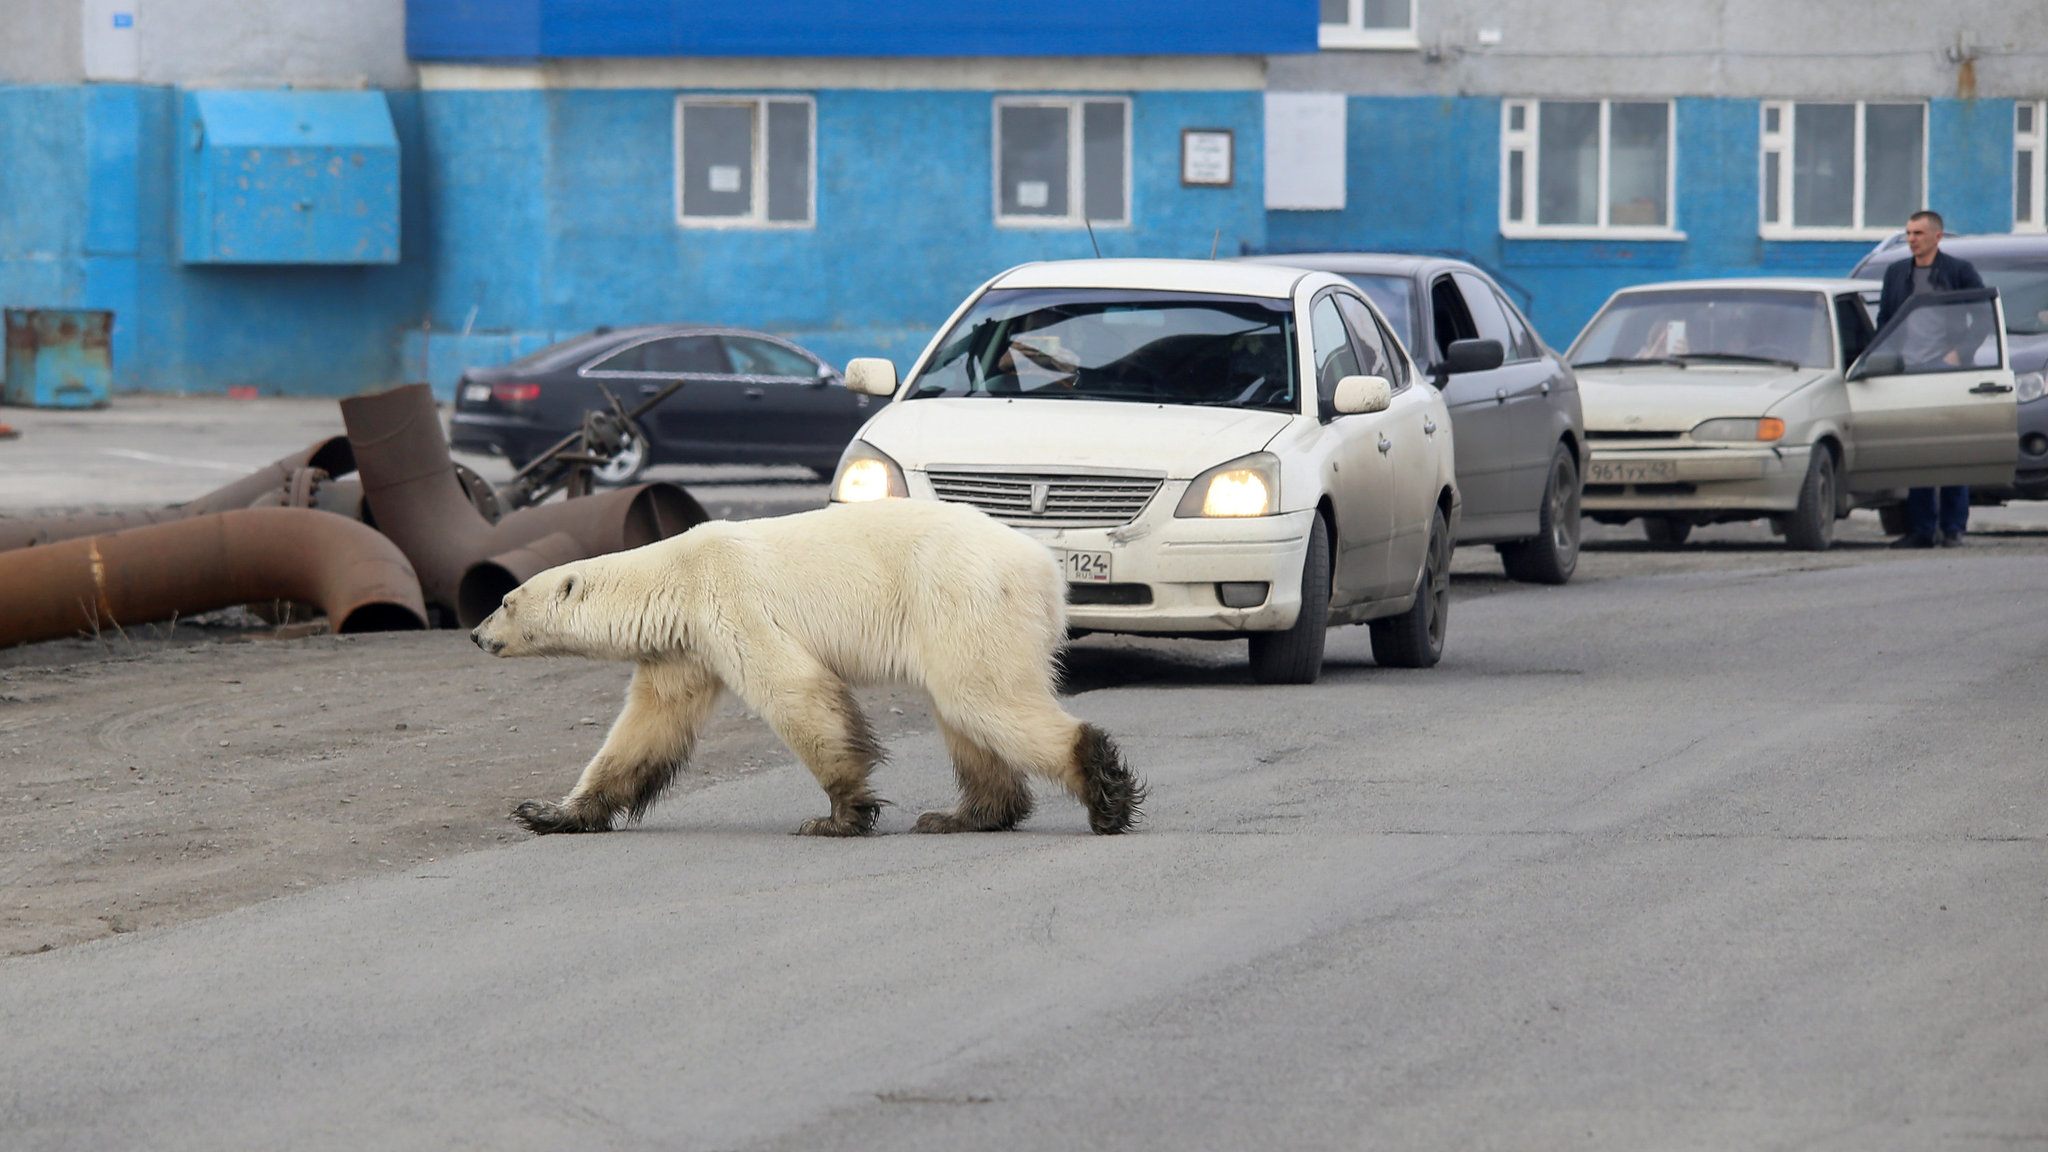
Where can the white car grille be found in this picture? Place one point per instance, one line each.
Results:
(1047, 499)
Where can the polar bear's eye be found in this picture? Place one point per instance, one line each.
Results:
(568, 589)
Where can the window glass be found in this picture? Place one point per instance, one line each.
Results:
(2023, 187)
(1638, 163)
(1891, 163)
(677, 355)
(1484, 308)
(718, 159)
(1773, 174)
(1334, 357)
(1852, 320)
(1526, 345)
(1394, 295)
(1336, 11)
(2023, 288)
(1118, 344)
(1449, 316)
(1102, 165)
(1568, 162)
(1824, 166)
(1374, 357)
(789, 160)
(1034, 159)
(1939, 337)
(1518, 177)
(1729, 324)
(1385, 13)
(756, 357)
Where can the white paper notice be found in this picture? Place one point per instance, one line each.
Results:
(725, 178)
(1032, 193)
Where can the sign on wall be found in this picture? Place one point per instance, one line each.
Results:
(1305, 150)
(108, 42)
(1207, 157)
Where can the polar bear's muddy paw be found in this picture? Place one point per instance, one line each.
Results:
(1112, 793)
(943, 822)
(543, 818)
(854, 817)
(993, 813)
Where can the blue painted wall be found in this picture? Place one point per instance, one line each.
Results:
(1424, 176)
(535, 29)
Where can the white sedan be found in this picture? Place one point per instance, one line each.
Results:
(1718, 400)
(1212, 450)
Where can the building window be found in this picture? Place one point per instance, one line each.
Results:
(1587, 168)
(1842, 171)
(746, 161)
(1059, 162)
(2030, 166)
(1368, 24)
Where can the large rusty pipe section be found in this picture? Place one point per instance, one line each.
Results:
(410, 488)
(332, 456)
(353, 574)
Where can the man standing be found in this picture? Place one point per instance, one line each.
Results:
(1933, 516)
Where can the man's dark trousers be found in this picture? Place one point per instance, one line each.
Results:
(1934, 516)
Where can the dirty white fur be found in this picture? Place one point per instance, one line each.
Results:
(787, 613)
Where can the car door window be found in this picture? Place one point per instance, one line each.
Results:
(1452, 320)
(1487, 318)
(1936, 335)
(1526, 345)
(752, 356)
(1375, 358)
(673, 356)
(1852, 318)
(1332, 347)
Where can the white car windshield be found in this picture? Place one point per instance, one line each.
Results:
(1115, 344)
(1725, 325)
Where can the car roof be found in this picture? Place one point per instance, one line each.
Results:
(1779, 283)
(1384, 263)
(1893, 248)
(1220, 277)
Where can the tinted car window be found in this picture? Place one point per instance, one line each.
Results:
(1374, 357)
(1852, 318)
(1334, 358)
(1394, 295)
(680, 355)
(1486, 312)
(1526, 345)
(756, 357)
(1447, 310)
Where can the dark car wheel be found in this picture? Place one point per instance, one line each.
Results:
(1666, 531)
(1415, 638)
(1552, 555)
(1296, 655)
(1811, 526)
(626, 464)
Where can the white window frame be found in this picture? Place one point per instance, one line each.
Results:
(2036, 143)
(1077, 189)
(1525, 141)
(1353, 34)
(1781, 143)
(757, 216)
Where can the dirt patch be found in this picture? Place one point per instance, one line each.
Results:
(168, 774)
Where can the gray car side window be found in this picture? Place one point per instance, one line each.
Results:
(1331, 346)
(1487, 316)
(753, 356)
(1375, 358)
(1526, 345)
(674, 356)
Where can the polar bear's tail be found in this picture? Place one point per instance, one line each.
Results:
(1108, 788)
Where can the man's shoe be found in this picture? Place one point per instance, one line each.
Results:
(1951, 539)
(1914, 540)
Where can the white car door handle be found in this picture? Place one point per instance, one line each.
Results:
(1385, 445)
(1545, 389)
(1428, 427)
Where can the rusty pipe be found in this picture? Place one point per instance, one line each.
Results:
(332, 455)
(410, 487)
(357, 577)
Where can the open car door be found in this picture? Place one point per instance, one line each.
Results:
(1931, 400)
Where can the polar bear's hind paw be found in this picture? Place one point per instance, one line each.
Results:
(543, 818)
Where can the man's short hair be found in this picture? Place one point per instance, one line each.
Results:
(1928, 215)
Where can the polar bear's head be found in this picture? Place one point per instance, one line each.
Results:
(564, 611)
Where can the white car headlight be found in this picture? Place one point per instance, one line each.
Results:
(1745, 429)
(1246, 486)
(866, 473)
(2029, 386)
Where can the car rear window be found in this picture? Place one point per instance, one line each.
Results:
(1114, 344)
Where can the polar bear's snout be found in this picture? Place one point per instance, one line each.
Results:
(487, 643)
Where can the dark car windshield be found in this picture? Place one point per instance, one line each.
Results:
(1728, 325)
(1116, 344)
(1392, 294)
(2023, 286)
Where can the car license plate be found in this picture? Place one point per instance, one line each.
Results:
(1086, 567)
(476, 393)
(1631, 472)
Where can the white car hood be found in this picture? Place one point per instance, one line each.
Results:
(1674, 399)
(1177, 440)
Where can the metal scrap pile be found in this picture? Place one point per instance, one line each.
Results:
(413, 540)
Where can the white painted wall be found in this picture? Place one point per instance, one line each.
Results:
(206, 43)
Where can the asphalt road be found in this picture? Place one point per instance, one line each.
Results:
(1731, 848)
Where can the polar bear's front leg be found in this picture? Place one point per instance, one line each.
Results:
(816, 715)
(666, 705)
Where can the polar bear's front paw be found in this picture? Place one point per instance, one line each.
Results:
(855, 816)
(827, 826)
(940, 821)
(542, 818)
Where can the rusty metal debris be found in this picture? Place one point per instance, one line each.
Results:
(412, 540)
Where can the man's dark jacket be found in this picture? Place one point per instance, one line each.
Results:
(1951, 274)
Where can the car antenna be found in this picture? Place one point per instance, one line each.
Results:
(1214, 241)
(1091, 235)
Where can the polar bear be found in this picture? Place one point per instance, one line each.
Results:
(788, 613)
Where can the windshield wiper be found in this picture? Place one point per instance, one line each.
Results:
(1739, 358)
(1619, 361)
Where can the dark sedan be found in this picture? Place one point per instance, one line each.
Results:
(2018, 267)
(747, 398)
(1520, 434)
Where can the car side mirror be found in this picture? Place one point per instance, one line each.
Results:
(1360, 394)
(1878, 364)
(1473, 356)
(871, 376)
